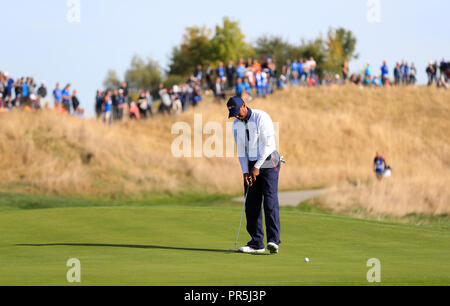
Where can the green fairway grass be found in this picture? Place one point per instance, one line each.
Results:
(163, 243)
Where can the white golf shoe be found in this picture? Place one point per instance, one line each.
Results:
(273, 248)
(250, 250)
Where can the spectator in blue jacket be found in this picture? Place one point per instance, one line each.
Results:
(368, 71)
(220, 72)
(402, 70)
(301, 71)
(9, 85)
(66, 98)
(57, 95)
(239, 87)
(294, 73)
(107, 108)
(261, 81)
(25, 91)
(384, 73)
(405, 74)
(247, 90)
(241, 70)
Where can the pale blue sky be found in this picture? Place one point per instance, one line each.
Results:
(37, 39)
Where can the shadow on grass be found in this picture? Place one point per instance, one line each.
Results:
(131, 247)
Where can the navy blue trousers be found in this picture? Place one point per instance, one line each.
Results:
(264, 193)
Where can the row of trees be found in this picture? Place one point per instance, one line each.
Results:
(203, 46)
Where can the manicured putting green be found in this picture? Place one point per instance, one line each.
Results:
(179, 245)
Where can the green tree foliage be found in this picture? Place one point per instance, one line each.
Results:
(330, 54)
(229, 42)
(112, 80)
(275, 47)
(143, 74)
(173, 79)
(195, 49)
(341, 46)
(203, 46)
(280, 50)
(314, 48)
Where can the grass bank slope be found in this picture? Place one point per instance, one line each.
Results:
(328, 135)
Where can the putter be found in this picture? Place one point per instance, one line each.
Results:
(235, 249)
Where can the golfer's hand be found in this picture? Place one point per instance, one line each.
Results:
(255, 173)
(248, 180)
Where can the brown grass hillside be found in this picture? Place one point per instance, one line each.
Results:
(329, 137)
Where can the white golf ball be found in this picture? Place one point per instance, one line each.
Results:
(307, 259)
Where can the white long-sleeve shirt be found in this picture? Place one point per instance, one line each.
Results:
(261, 142)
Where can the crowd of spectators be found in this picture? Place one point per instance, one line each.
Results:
(403, 74)
(114, 105)
(444, 73)
(23, 92)
(300, 72)
(248, 78)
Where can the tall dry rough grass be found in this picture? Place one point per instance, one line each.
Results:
(328, 135)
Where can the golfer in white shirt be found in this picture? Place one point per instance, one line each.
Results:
(260, 162)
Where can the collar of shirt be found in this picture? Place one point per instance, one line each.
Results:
(249, 115)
